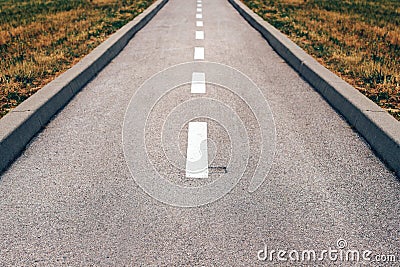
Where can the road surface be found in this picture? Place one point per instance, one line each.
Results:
(72, 200)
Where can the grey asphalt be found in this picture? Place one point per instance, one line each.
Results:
(70, 199)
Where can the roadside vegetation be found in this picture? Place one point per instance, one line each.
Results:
(40, 39)
(359, 40)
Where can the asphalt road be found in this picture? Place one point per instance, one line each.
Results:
(73, 198)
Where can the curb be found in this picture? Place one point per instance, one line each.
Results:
(379, 128)
(21, 124)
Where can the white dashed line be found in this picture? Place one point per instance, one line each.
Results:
(199, 35)
(198, 85)
(199, 53)
(197, 154)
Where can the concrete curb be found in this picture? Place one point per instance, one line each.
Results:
(379, 128)
(21, 124)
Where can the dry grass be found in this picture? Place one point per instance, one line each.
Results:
(39, 39)
(357, 39)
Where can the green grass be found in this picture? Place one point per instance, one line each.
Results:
(40, 39)
(357, 39)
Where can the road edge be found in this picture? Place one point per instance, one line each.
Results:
(375, 125)
(21, 124)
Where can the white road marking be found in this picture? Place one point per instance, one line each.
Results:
(199, 35)
(199, 53)
(198, 85)
(197, 155)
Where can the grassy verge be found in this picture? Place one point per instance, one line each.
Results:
(40, 39)
(359, 40)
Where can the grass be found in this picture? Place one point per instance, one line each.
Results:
(40, 39)
(359, 40)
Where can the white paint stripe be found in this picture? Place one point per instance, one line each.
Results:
(199, 5)
(199, 10)
(199, 53)
(198, 85)
(199, 35)
(197, 155)
(198, 1)
(199, 23)
(199, 16)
